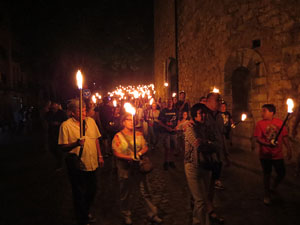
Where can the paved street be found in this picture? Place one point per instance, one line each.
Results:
(33, 193)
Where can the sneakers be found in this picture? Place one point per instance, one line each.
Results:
(172, 165)
(219, 185)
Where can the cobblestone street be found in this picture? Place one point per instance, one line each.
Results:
(33, 193)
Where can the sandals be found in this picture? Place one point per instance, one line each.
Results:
(215, 219)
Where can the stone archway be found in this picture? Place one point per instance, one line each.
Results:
(245, 89)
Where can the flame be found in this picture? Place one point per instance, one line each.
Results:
(243, 117)
(136, 94)
(174, 95)
(290, 104)
(97, 94)
(129, 108)
(115, 103)
(216, 90)
(151, 101)
(79, 79)
(166, 84)
(94, 99)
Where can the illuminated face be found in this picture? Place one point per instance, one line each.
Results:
(153, 106)
(76, 114)
(199, 116)
(128, 122)
(181, 96)
(266, 114)
(184, 115)
(213, 102)
(223, 108)
(174, 100)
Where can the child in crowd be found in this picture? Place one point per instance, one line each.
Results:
(270, 152)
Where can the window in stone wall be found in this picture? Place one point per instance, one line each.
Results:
(240, 92)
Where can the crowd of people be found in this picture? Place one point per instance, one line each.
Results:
(200, 134)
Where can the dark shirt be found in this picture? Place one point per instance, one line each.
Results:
(185, 107)
(215, 123)
(168, 117)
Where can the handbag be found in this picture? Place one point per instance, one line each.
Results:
(74, 162)
(145, 165)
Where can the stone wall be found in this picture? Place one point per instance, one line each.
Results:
(215, 40)
(164, 41)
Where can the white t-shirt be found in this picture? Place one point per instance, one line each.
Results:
(69, 132)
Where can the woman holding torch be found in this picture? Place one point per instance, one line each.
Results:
(130, 178)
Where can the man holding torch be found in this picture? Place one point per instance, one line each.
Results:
(270, 133)
(83, 180)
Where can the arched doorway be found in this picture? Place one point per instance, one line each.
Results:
(241, 86)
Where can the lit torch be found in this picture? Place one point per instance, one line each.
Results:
(115, 103)
(130, 109)
(216, 90)
(151, 101)
(290, 104)
(166, 84)
(243, 118)
(174, 95)
(79, 84)
(94, 99)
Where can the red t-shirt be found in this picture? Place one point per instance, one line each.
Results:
(267, 130)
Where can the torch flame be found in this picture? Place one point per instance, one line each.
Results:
(290, 104)
(166, 84)
(79, 79)
(115, 103)
(243, 117)
(216, 90)
(136, 94)
(174, 95)
(151, 101)
(94, 99)
(128, 108)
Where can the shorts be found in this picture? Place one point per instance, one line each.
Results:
(278, 165)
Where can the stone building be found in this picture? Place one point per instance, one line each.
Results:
(249, 49)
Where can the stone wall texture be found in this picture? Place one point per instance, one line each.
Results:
(215, 39)
(164, 41)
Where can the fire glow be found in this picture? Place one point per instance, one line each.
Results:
(79, 79)
(243, 117)
(290, 104)
(129, 108)
(216, 90)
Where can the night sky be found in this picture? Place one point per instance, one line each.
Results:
(110, 40)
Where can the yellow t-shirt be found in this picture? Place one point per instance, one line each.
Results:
(123, 143)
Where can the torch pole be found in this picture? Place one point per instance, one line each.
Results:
(80, 112)
(281, 128)
(134, 139)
